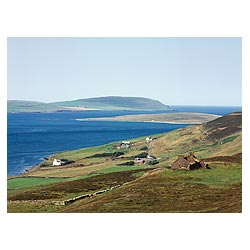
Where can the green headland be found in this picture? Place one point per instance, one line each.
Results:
(98, 103)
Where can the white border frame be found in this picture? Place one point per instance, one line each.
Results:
(132, 19)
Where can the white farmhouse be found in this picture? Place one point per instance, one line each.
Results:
(57, 162)
(148, 139)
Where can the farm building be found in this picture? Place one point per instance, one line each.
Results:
(188, 162)
(124, 144)
(57, 162)
(144, 160)
(149, 139)
(61, 162)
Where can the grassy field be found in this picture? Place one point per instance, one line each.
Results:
(215, 190)
(70, 188)
(16, 183)
(220, 174)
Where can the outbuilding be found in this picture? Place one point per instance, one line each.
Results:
(188, 162)
(61, 162)
(57, 162)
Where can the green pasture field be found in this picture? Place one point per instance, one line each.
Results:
(219, 174)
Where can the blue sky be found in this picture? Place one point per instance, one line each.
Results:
(182, 71)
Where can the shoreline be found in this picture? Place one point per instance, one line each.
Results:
(167, 122)
(36, 166)
(51, 112)
(191, 118)
(180, 122)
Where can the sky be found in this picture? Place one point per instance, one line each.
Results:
(175, 71)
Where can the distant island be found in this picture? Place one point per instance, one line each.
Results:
(97, 103)
(176, 118)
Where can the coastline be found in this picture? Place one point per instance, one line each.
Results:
(177, 119)
(165, 122)
(171, 118)
(177, 122)
(26, 170)
(36, 167)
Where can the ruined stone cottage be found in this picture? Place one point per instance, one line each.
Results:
(188, 162)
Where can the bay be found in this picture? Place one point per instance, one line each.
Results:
(33, 136)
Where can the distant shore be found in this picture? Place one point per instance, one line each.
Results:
(174, 118)
(72, 108)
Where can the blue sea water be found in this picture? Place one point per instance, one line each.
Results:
(33, 136)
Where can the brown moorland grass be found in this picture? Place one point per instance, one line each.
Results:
(158, 192)
(81, 186)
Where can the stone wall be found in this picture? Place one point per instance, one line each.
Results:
(64, 202)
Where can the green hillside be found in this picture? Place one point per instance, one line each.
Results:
(102, 103)
(30, 106)
(141, 188)
(116, 103)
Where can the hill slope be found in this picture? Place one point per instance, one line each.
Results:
(116, 102)
(221, 136)
(102, 103)
(30, 106)
(141, 188)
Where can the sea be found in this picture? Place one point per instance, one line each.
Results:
(34, 136)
